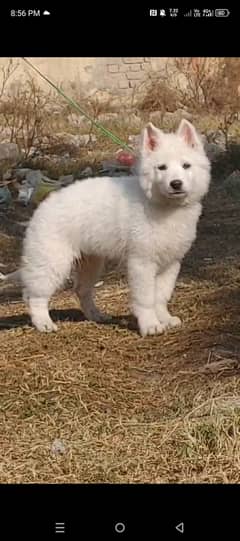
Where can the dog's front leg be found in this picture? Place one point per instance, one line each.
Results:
(164, 286)
(141, 279)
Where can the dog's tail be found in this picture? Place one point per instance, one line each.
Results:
(11, 277)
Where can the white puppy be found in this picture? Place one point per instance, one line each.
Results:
(149, 221)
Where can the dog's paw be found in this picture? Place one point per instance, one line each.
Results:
(170, 322)
(166, 320)
(174, 321)
(45, 325)
(150, 326)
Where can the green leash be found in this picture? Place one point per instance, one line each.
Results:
(74, 104)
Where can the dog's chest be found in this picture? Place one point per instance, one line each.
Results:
(170, 238)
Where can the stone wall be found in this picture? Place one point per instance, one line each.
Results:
(116, 75)
(125, 73)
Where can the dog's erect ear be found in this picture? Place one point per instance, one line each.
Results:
(187, 131)
(151, 138)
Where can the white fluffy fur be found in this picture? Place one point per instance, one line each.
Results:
(144, 220)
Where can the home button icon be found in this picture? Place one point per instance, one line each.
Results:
(120, 527)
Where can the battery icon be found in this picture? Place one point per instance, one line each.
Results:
(222, 12)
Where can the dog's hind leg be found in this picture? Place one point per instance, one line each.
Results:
(42, 275)
(85, 275)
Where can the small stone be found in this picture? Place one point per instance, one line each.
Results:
(33, 178)
(58, 447)
(99, 284)
(25, 193)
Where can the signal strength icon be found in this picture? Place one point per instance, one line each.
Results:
(188, 14)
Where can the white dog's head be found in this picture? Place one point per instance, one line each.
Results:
(173, 166)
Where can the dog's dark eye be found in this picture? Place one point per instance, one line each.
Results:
(186, 165)
(162, 167)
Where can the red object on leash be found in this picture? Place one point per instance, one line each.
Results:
(125, 158)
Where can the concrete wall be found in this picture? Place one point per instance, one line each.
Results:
(115, 75)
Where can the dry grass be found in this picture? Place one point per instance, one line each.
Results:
(127, 409)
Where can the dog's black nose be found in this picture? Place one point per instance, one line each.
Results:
(176, 184)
